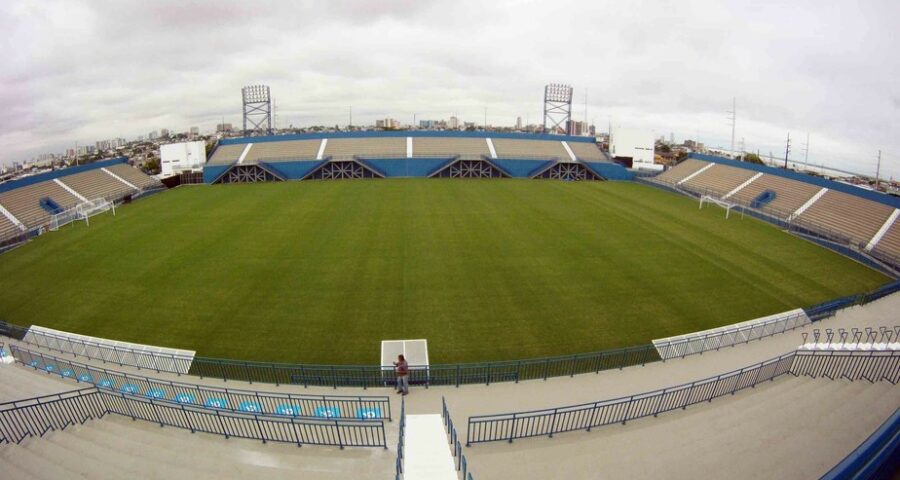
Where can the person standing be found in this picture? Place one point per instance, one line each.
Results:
(402, 370)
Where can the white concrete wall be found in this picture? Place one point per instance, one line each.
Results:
(637, 144)
(177, 157)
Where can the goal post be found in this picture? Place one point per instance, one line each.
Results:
(717, 201)
(81, 211)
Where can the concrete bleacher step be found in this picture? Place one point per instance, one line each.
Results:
(34, 464)
(109, 459)
(151, 441)
(69, 450)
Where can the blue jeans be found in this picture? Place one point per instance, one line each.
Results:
(403, 383)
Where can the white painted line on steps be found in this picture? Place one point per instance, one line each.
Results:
(490, 145)
(741, 186)
(69, 189)
(428, 455)
(808, 204)
(126, 182)
(568, 150)
(698, 172)
(409, 147)
(883, 230)
(321, 153)
(244, 153)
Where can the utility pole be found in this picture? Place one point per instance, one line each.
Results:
(485, 119)
(878, 171)
(787, 150)
(806, 150)
(733, 117)
(350, 127)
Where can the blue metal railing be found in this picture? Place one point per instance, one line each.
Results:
(401, 443)
(250, 401)
(35, 417)
(851, 365)
(462, 465)
(871, 365)
(510, 426)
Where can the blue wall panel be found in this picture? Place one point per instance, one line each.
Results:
(610, 171)
(406, 167)
(212, 172)
(801, 177)
(521, 168)
(64, 172)
(292, 170)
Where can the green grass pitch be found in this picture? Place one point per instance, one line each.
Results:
(321, 272)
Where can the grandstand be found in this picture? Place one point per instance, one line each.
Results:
(450, 146)
(839, 213)
(855, 217)
(510, 148)
(282, 151)
(719, 180)
(32, 201)
(787, 196)
(389, 147)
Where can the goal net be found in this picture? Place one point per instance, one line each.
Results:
(82, 211)
(717, 201)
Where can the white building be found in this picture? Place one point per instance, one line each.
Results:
(635, 146)
(179, 157)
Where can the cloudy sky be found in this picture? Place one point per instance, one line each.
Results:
(81, 71)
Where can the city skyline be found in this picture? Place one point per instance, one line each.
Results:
(659, 67)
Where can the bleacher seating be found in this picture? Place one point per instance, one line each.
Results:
(890, 242)
(586, 151)
(385, 147)
(8, 229)
(281, 151)
(680, 171)
(226, 154)
(449, 146)
(852, 216)
(789, 194)
(509, 148)
(97, 184)
(135, 176)
(25, 202)
(718, 180)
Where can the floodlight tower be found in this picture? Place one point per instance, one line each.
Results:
(557, 107)
(257, 109)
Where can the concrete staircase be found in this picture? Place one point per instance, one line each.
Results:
(790, 428)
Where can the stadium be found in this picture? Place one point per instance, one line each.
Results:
(537, 287)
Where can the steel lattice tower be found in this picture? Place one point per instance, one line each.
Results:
(257, 109)
(557, 108)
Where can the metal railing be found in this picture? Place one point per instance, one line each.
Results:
(729, 337)
(449, 374)
(34, 417)
(401, 442)
(547, 422)
(462, 465)
(276, 428)
(250, 401)
(98, 350)
(871, 365)
(866, 338)
(453, 374)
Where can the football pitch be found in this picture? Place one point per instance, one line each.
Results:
(321, 272)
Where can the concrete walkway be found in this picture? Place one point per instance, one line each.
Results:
(428, 456)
